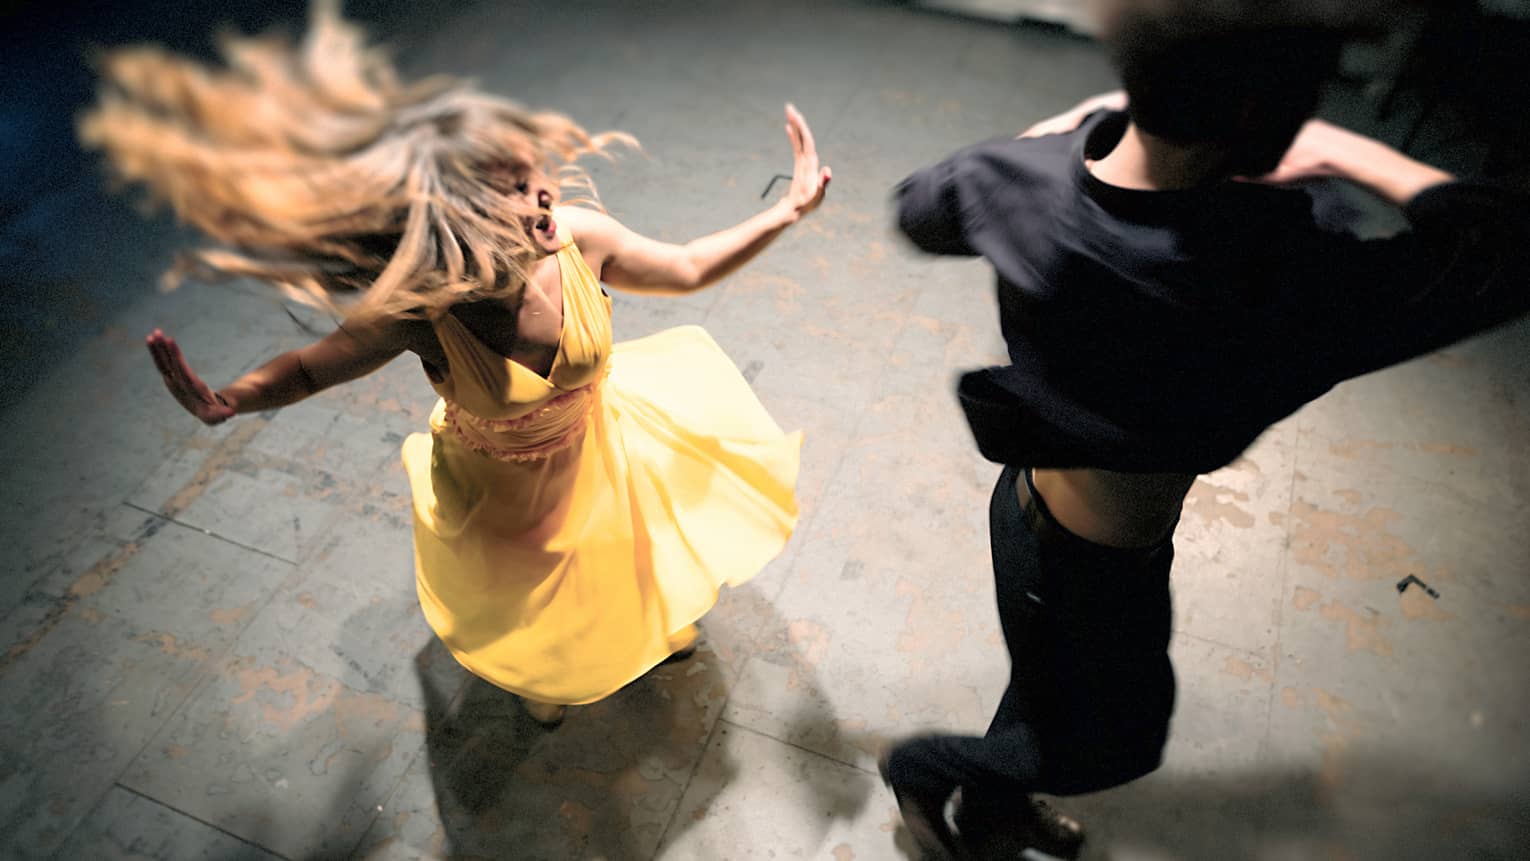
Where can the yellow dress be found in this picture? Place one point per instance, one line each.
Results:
(569, 529)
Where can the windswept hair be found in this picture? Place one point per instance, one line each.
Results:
(323, 174)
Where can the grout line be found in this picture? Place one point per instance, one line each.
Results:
(210, 669)
(380, 806)
(818, 753)
(207, 675)
(84, 817)
(1280, 604)
(193, 818)
(209, 533)
(705, 747)
(1218, 643)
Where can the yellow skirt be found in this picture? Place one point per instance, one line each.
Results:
(562, 579)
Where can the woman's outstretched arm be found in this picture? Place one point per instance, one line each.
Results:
(341, 356)
(630, 261)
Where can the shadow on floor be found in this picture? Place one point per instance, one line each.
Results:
(606, 784)
(1377, 809)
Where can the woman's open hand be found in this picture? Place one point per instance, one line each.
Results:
(1072, 118)
(188, 389)
(809, 179)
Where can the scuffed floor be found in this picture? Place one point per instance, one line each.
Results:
(212, 647)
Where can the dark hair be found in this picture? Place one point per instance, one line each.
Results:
(1241, 75)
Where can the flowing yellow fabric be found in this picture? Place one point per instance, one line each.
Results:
(569, 529)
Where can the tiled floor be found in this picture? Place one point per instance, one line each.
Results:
(211, 642)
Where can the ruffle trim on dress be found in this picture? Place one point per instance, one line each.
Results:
(462, 422)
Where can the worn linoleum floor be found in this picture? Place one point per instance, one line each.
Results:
(212, 647)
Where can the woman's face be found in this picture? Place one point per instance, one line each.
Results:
(536, 193)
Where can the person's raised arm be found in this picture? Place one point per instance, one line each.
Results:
(1323, 150)
(1462, 267)
(627, 260)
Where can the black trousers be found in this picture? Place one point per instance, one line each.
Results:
(1091, 688)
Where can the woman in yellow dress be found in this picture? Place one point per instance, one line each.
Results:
(577, 504)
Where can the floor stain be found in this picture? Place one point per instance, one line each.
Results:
(1239, 668)
(228, 617)
(1361, 547)
(1362, 629)
(928, 632)
(1211, 502)
(809, 640)
(1364, 448)
(93, 580)
(1343, 728)
(1416, 604)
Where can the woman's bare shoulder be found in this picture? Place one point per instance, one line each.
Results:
(396, 334)
(593, 231)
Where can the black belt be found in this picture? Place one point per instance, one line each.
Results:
(1033, 511)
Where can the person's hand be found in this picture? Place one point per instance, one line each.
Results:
(1070, 120)
(809, 180)
(1318, 151)
(188, 389)
(1322, 150)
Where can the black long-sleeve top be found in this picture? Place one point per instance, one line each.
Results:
(1164, 331)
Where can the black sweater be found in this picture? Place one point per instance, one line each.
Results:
(1164, 331)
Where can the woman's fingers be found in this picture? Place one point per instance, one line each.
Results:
(795, 136)
(158, 356)
(190, 383)
(803, 131)
(809, 179)
(804, 150)
(183, 370)
(172, 377)
(194, 396)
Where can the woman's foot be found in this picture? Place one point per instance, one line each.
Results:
(546, 714)
(682, 645)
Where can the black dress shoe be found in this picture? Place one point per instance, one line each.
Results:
(1055, 833)
(994, 830)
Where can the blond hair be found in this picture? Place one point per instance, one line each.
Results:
(326, 176)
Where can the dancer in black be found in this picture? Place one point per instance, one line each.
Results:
(1160, 313)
